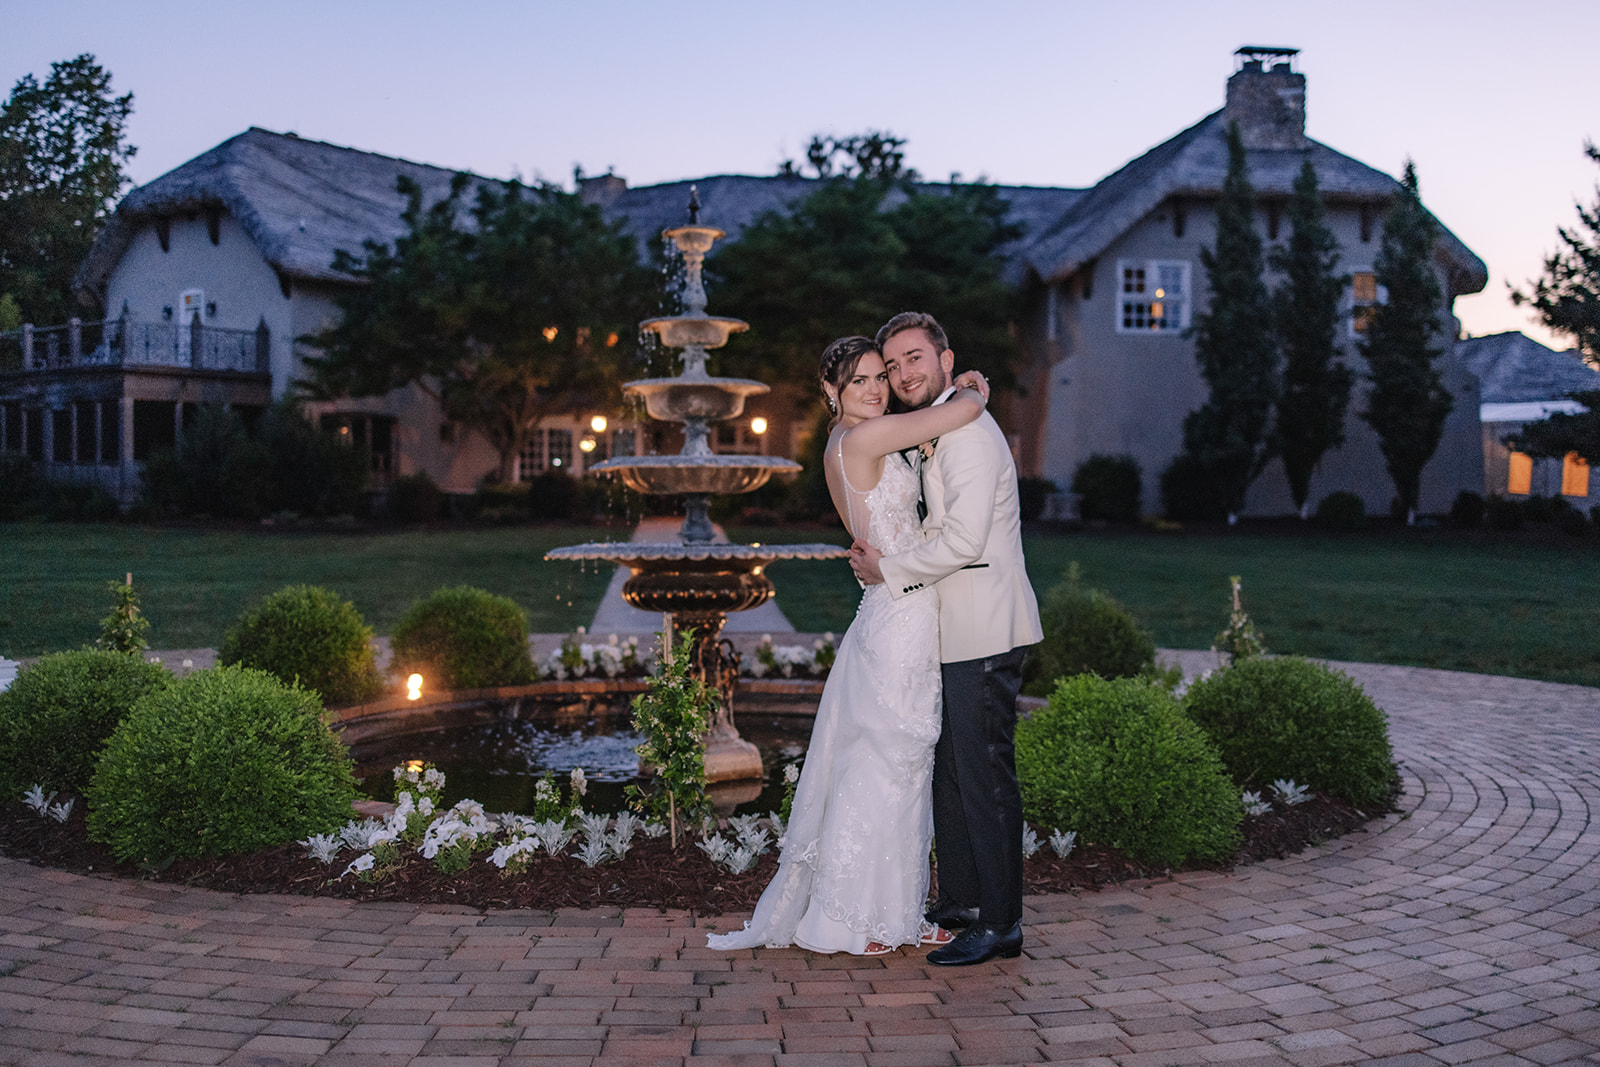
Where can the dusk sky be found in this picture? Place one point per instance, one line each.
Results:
(1492, 101)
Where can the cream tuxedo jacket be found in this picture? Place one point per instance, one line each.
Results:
(973, 551)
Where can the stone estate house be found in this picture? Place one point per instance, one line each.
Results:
(231, 252)
(1522, 381)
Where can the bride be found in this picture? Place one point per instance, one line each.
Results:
(853, 872)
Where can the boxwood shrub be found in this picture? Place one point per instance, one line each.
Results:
(57, 714)
(306, 634)
(1119, 762)
(223, 761)
(1085, 630)
(1108, 488)
(1290, 718)
(464, 638)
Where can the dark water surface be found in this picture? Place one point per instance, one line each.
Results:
(499, 763)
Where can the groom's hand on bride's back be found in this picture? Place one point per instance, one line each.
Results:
(864, 561)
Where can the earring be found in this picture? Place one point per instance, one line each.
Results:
(831, 409)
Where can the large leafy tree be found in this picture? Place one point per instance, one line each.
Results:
(1407, 402)
(62, 152)
(1225, 439)
(1567, 300)
(512, 309)
(1314, 391)
(868, 243)
(1567, 296)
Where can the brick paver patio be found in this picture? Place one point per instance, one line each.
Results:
(1465, 930)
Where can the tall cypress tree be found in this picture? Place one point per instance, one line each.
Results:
(1315, 390)
(1224, 439)
(1407, 402)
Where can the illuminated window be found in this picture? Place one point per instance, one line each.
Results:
(1520, 478)
(1366, 295)
(1154, 297)
(1574, 475)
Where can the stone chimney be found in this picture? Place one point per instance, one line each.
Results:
(1267, 98)
(602, 190)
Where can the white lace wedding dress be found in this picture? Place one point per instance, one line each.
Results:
(854, 863)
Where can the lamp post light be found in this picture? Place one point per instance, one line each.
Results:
(758, 426)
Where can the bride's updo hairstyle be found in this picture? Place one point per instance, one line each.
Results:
(838, 364)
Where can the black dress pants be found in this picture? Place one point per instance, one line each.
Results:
(977, 805)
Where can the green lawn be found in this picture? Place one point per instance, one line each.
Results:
(1430, 598)
(193, 583)
(1426, 598)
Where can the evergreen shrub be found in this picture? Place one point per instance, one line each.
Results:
(1192, 491)
(1341, 510)
(18, 483)
(1503, 513)
(464, 638)
(223, 761)
(553, 495)
(307, 635)
(1536, 507)
(1119, 762)
(1108, 488)
(1086, 631)
(1032, 495)
(58, 712)
(414, 498)
(1466, 511)
(1291, 718)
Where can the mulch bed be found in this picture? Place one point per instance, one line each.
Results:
(651, 875)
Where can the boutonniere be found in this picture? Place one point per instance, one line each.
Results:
(927, 447)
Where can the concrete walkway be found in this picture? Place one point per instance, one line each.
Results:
(1465, 930)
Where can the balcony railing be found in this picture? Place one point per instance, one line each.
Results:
(125, 342)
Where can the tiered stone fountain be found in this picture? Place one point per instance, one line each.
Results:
(697, 579)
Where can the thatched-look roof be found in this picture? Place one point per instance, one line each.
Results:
(1193, 165)
(302, 200)
(298, 199)
(1513, 368)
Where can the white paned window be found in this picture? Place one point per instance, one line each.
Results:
(558, 449)
(531, 461)
(1153, 296)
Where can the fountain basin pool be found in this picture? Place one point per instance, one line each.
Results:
(494, 745)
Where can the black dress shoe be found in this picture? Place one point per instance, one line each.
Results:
(950, 915)
(977, 943)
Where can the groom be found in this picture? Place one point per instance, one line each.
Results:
(987, 618)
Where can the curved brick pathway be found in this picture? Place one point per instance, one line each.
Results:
(1467, 930)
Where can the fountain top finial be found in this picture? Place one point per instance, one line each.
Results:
(694, 204)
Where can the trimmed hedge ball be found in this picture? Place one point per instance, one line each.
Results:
(1118, 762)
(464, 638)
(1287, 717)
(223, 761)
(58, 713)
(1085, 631)
(309, 635)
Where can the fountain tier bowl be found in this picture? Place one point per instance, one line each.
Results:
(687, 397)
(714, 475)
(695, 578)
(703, 331)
